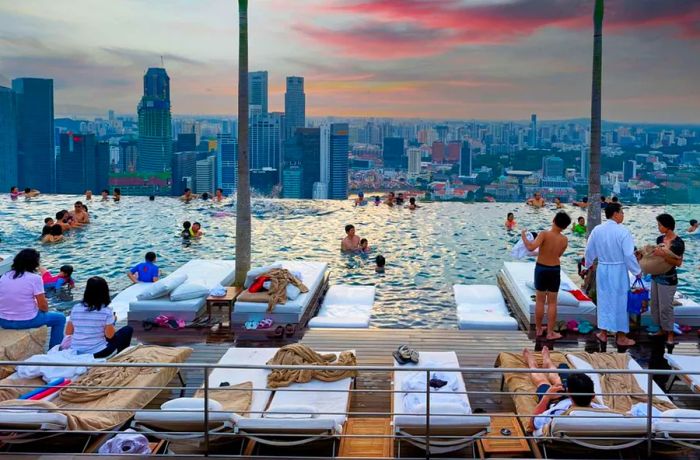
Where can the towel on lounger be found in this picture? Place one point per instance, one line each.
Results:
(301, 355)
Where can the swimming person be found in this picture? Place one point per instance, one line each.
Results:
(79, 213)
(377, 200)
(693, 226)
(23, 302)
(360, 200)
(117, 195)
(364, 245)
(88, 195)
(91, 323)
(412, 204)
(64, 277)
(105, 195)
(583, 204)
(536, 201)
(557, 203)
(400, 199)
(663, 287)
(187, 196)
(379, 264)
(48, 223)
(389, 200)
(580, 227)
(31, 193)
(151, 198)
(205, 196)
(14, 192)
(145, 272)
(552, 245)
(510, 221)
(351, 242)
(196, 230)
(55, 234)
(186, 227)
(219, 195)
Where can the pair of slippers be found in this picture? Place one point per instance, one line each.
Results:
(164, 321)
(263, 324)
(404, 354)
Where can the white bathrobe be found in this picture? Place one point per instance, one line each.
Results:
(612, 244)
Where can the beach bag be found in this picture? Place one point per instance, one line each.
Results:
(637, 298)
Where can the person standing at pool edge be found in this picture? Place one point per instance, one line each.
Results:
(552, 245)
(145, 272)
(613, 246)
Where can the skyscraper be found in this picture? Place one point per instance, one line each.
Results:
(155, 128)
(257, 89)
(35, 134)
(393, 152)
(533, 130)
(265, 142)
(227, 163)
(552, 166)
(206, 175)
(292, 176)
(8, 139)
(585, 162)
(102, 165)
(128, 155)
(438, 152)
(629, 170)
(186, 142)
(294, 105)
(76, 165)
(414, 161)
(184, 167)
(465, 160)
(339, 146)
(302, 160)
(325, 157)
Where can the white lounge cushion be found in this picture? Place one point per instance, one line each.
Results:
(442, 409)
(295, 411)
(188, 291)
(584, 422)
(26, 419)
(481, 306)
(190, 404)
(342, 294)
(678, 423)
(564, 297)
(162, 287)
(339, 322)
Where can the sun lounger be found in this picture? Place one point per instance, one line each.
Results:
(18, 345)
(687, 364)
(301, 413)
(105, 413)
(189, 425)
(314, 277)
(452, 428)
(515, 278)
(481, 306)
(203, 272)
(345, 307)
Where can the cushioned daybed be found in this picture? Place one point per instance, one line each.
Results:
(201, 273)
(481, 306)
(345, 307)
(18, 345)
(454, 426)
(313, 275)
(516, 278)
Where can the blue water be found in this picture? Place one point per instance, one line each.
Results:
(427, 250)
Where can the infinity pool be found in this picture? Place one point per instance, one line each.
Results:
(427, 250)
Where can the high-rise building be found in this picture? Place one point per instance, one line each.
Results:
(339, 147)
(414, 161)
(393, 152)
(264, 180)
(533, 130)
(102, 166)
(35, 133)
(320, 191)
(76, 165)
(186, 142)
(438, 152)
(453, 151)
(629, 170)
(227, 163)
(155, 128)
(8, 139)
(265, 142)
(184, 170)
(206, 175)
(257, 90)
(585, 162)
(442, 131)
(292, 177)
(552, 167)
(465, 160)
(302, 156)
(325, 155)
(294, 105)
(128, 155)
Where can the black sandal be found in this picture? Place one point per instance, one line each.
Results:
(405, 354)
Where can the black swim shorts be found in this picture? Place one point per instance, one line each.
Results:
(547, 278)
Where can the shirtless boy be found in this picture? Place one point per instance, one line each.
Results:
(79, 213)
(351, 242)
(536, 201)
(552, 245)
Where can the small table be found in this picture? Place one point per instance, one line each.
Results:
(372, 447)
(223, 301)
(499, 445)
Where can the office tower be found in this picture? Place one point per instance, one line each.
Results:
(8, 140)
(414, 162)
(257, 90)
(294, 105)
(393, 152)
(438, 152)
(102, 166)
(264, 180)
(325, 155)
(585, 162)
(265, 143)
(227, 163)
(442, 131)
(339, 147)
(128, 155)
(453, 151)
(206, 175)
(35, 133)
(155, 129)
(184, 170)
(552, 167)
(186, 142)
(465, 160)
(320, 191)
(292, 176)
(76, 166)
(533, 130)
(302, 156)
(629, 170)
(110, 115)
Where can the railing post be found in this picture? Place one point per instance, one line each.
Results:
(206, 411)
(427, 415)
(650, 407)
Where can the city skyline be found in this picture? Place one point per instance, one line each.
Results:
(456, 59)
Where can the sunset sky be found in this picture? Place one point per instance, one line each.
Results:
(442, 59)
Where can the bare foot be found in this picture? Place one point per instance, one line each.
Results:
(554, 336)
(545, 355)
(539, 332)
(602, 337)
(625, 342)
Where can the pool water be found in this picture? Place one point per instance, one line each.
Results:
(427, 250)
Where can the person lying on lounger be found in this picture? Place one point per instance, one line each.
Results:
(557, 393)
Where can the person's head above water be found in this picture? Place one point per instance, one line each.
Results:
(56, 230)
(585, 199)
(412, 200)
(14, 189)
(196, 226)
(205, 196)
(152, 198)
(581, 220)
(27, 190)
(380, 261)
(510, 216)
(693, 222)
(67, 270)
(562, 220)
(350, 230)
(60, 214)
(186, 225)
(187, 191)
(363, 242)
(49, 221)
(360, 194)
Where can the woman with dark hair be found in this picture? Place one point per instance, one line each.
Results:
(91, 323)
(663, 287)
(23, 304)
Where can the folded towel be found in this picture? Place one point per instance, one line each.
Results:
(217, 291)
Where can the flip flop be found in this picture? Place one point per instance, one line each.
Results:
(279, 331)
(265, 324)
(250, 325)
(289, 330)
(161, 320)
(585, 327)
(408, 354)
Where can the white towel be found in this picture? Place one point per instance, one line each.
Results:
(49, 373)
(519, 250)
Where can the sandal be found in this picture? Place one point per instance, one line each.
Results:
(289, 330)
(404, 354)
(265, 324)
(250, 325)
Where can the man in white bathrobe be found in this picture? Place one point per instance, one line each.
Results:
(612, 244)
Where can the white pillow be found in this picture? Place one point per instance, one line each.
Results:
(292, 292)
(191, 404)
(291, 411)
(254, 273)
(162, 287)
(188, 291)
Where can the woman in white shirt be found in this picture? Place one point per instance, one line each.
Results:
(91, 323)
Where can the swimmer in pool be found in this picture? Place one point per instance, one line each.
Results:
(693, 226)
(14, 192)
(580, 227)
(88, 195)
(360, 200)
(105, 195)
(380, 263)
(196, 230)
(364, 245)
(510, 221)
(377, 200)
(186, 227)
(536, 201)
(351, 242)
(412, 204)
(557, 203)
(187, 196)
(219, 196)
(117, 196)
(390, 198)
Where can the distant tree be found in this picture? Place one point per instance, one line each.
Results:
(594, 169)
(243, 218)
